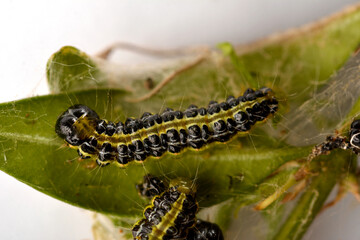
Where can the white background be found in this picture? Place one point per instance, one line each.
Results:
(30, 31)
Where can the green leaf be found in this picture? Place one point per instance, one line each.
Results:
(71, 69)
(239, 66)
(300, 62)
(35, 155)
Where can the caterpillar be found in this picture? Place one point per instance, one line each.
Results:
(159, 223)
(339, 142)
(171, 131)
(171, 214)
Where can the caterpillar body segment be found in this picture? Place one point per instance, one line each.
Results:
(152, 135)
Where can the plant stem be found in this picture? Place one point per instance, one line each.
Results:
(312, 200)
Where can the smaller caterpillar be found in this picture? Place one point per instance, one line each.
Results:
(339, 142)
(160, 223)
(171, 214)
(172, 131)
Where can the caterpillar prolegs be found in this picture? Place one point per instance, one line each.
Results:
(172, 214)
(155, 134)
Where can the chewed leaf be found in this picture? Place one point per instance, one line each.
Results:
(35, 155)
(69, 69)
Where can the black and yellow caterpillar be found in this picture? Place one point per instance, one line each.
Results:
(172, 214)
(154, 134)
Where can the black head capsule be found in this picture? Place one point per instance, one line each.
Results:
(65, 124)
(273, 105)
(151, 186)
(66, 130)
(354, 134)
(205, 231)
(82, 111)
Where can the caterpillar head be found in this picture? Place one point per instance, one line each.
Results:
(355, 134)
(66, 125)
(184, 185)
(205, 230)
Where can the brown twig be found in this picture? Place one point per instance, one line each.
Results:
(168, 79)
(104, 54)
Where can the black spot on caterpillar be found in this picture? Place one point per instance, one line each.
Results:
(339, 142)
(354, 136)
(151, 186)
(154, 134)
(171, 214)
(155, 187)
(205, 231)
